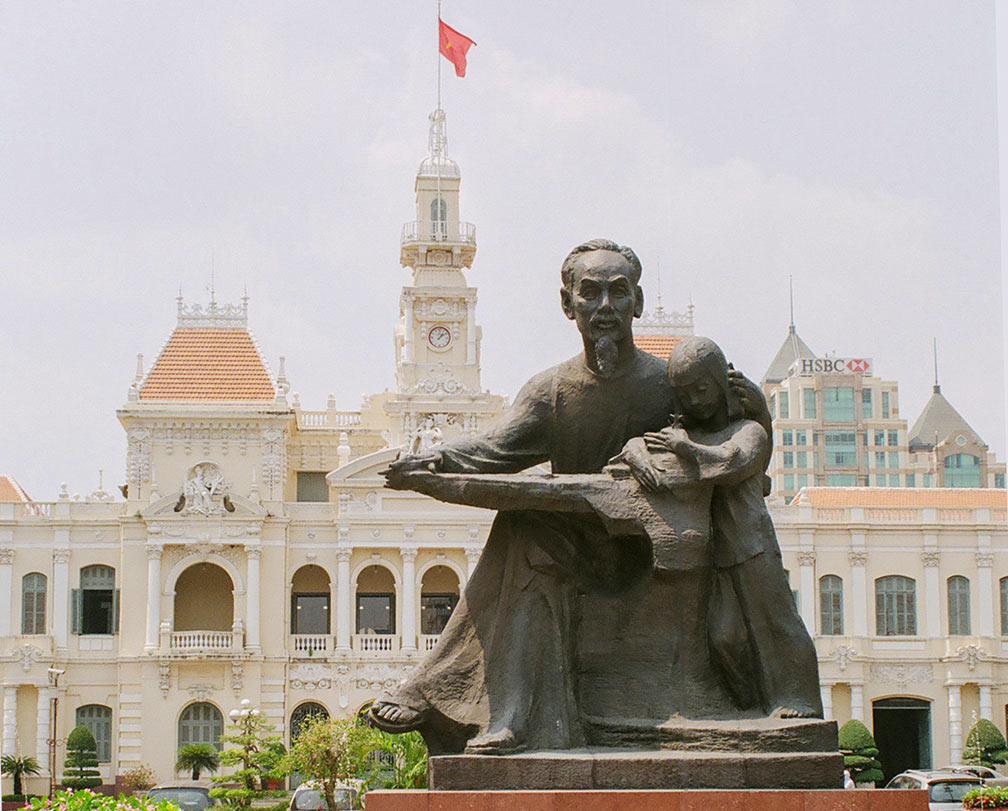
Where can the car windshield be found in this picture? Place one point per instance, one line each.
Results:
(188, 799)
(950, 791)
(314, 799)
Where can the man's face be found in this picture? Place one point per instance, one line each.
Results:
(699, 396)
(602, 298)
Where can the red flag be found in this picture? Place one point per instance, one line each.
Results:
(453, 46)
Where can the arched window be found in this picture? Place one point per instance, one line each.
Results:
(201, 722)
(310, 601)
(376, 601)
(1004, 606)
(962, 470)
(958, 606)
(439, 217)
(895, 606)
(439, 594)
(94, 607)
(98, 719)
(33, 603)
(831, 605)
(310, 709)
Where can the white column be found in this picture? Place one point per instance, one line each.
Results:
(408, 328)
(344, 597)
(806, 589)
(42, 721)
(826, 692)
(983, 608)
(409, 600)
(932, 594)
(859, 591)
(986, 703)
(61, 597)
(6, 603)
(857, 702)
(955, 722)
(470, 331)
(154, 551)
(9, 719)
(252, 598)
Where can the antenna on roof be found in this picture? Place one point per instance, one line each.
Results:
(937, 388)
(790, 282)
(213, 292)
(658, 304)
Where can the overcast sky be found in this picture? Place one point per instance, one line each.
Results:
(851, 145)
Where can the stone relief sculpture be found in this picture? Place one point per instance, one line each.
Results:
(203, 488)
(637, 590)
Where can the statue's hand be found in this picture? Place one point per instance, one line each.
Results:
(749, 394)
(667, 439)
(637, 458)
(431, 461)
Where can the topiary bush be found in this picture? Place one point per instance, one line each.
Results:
(80, 769)
(985, 745)
(860, 753)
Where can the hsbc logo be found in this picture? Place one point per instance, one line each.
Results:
(831, 366)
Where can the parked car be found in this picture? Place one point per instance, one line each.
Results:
(945, 788)
(186, 794)
(984, 772)
(310, 797)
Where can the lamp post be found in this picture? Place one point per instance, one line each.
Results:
(54, 676)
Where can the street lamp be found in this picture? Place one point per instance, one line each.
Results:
(54, 675)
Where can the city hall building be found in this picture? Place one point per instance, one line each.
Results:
(257, 554)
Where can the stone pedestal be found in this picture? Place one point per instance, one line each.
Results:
(699, 800)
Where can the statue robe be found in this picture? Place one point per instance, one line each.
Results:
(505, 658)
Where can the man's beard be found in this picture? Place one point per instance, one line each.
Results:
(606, 355)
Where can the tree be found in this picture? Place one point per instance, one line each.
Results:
(16, 766)
(332, 751)
(406, 766)
(860, 753)
(985, 745)
(80, 769)
(252, 753)
(196, 758)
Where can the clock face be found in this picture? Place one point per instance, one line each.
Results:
(439, 337)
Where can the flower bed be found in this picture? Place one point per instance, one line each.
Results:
(987, 797)
(87, 800)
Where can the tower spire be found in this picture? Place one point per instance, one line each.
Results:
(937, 387)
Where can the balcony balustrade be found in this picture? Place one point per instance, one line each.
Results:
(310, 644)
(376, 643)
(438, 231)
(428, 641)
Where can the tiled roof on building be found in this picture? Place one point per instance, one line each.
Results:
(938, 421)
(10, 490)
(902, 497)
(658, 345)
(791, 350)
(209, 363)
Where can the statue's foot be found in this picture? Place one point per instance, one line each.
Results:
(500, 742)
(390, 716)
(795, 712)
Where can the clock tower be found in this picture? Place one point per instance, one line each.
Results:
(437, 340)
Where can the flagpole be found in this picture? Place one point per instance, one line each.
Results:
(440, 227)
(438, 56)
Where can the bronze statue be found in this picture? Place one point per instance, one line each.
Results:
(607, 603)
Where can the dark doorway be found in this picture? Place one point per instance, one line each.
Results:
(902, 734)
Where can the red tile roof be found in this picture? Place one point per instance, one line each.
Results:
(902, 497)
(10, 490)
(209, 364)
(658, 345)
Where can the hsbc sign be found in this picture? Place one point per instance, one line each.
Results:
(831, 366)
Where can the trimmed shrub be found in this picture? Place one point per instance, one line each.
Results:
(987, 797)
(80, 769)
(985, 745)
(860, 753)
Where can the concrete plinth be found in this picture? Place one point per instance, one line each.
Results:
(696, 800)
(636, 769)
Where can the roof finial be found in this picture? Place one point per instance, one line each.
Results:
(790, 281)
(937, 388)
(213, 291)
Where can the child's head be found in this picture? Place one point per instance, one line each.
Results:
(698, 372)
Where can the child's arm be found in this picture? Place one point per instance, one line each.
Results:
(727, 463)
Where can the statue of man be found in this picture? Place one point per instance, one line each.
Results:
(500, 678)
